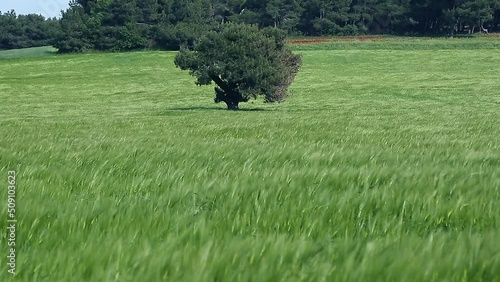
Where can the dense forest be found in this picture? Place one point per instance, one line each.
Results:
(24, 31)
(168, 24)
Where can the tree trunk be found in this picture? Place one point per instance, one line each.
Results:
(483, 29)
(227, 94)
(232, 106)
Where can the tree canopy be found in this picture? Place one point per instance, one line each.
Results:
(24, 31)
(117, 25)
(244, 62)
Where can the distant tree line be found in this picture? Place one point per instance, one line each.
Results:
(168, 24)
(24, 31)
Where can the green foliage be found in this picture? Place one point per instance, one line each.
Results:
(25, 31)
(388, 173)
(120, 25)
(244, 63)
(74, 32)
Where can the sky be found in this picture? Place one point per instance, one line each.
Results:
(46, 8)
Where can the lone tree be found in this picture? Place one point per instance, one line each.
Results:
(244, 62)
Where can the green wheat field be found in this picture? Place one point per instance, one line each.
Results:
(383, 165)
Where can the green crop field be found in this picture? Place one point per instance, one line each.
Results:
(384, 165)
(28, 53)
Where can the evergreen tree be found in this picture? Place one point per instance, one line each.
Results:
(244, 62)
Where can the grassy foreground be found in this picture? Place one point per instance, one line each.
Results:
(384, 165)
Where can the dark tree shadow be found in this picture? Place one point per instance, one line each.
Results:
(194, 108)
(204, 108)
